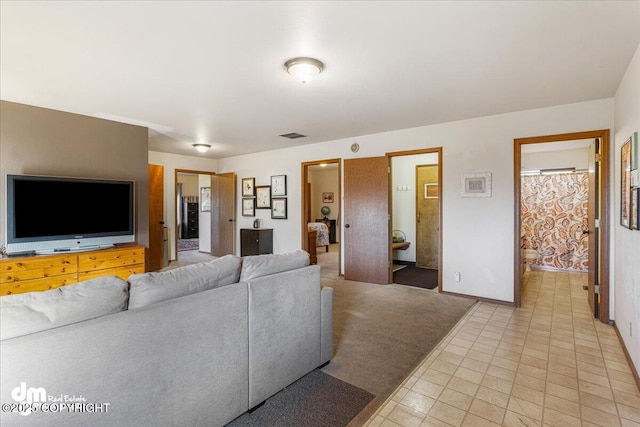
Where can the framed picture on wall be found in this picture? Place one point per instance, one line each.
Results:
(263, 197)
(476, 184)
(205, 199)
(249, 207)
(248, 187)
(431, 190)
(625, 184)
(279, 208)
(278, 185)
(327, 197)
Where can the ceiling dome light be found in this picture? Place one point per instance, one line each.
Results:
(202, 148)
(304, 69)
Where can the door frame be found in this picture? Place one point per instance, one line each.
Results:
(605, 215)
(306, 200)
(438, 151)
(175, 208)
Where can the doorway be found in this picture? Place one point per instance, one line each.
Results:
(204, 215)
(321, 206)
(415, 182)
(595, 226)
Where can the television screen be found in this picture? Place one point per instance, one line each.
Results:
(69, 212)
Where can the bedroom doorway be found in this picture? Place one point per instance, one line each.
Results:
(584, 246)
(193, 219)
(321, 206)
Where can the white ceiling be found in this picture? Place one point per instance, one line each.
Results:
(213, 72)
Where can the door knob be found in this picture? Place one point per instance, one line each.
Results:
(231, 220)
(161, 222)
(347, 226)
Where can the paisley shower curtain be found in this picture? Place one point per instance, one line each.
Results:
(554, 218)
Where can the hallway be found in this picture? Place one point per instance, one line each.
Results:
(546, 363)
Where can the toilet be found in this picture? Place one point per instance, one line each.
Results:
(530, 255)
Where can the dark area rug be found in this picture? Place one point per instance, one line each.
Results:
(415, 276)
(317, 400)
(188, 245)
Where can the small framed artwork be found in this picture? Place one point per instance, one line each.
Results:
(279, 208)
(263, 197)
(476, 184)
(249, 207)
(248, 187)
(205, 199)
(431, 190)
(278, 185)
(327, 197)
(625, 184)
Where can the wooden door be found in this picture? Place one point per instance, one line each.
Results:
(593, 216)
(155, 254)
(427, 216)
(223, 214)
(366, 220)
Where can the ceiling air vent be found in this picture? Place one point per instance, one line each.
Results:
(293, 135)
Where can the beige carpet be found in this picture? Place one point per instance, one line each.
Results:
(381, 333)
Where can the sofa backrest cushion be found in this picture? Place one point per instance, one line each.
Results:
(264, 265)
(151, 288)
(23, 314)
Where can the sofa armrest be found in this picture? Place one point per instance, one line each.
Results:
(326, 324)
(284, 330)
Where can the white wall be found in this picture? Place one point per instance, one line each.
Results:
(171, 162)
(403, 173)
(478, 233)
(578, 158)
(204, 218)
(627, 242)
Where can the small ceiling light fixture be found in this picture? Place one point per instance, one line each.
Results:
(304, 69)
(201, 148)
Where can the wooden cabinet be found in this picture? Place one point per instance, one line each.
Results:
(44, 272)
(256, 241)
(189, 220)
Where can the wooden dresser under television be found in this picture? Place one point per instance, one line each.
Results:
(44, 272)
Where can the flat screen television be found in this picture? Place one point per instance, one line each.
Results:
(47, 214)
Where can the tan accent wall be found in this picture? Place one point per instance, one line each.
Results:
(190, 186)
(39, 141)
(323, 181)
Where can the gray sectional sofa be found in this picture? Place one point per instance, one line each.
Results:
(197, 345)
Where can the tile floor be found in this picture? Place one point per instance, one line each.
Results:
(548, 363)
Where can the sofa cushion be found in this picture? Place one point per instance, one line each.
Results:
(264, 265)
(150, 288)
(23, 314)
